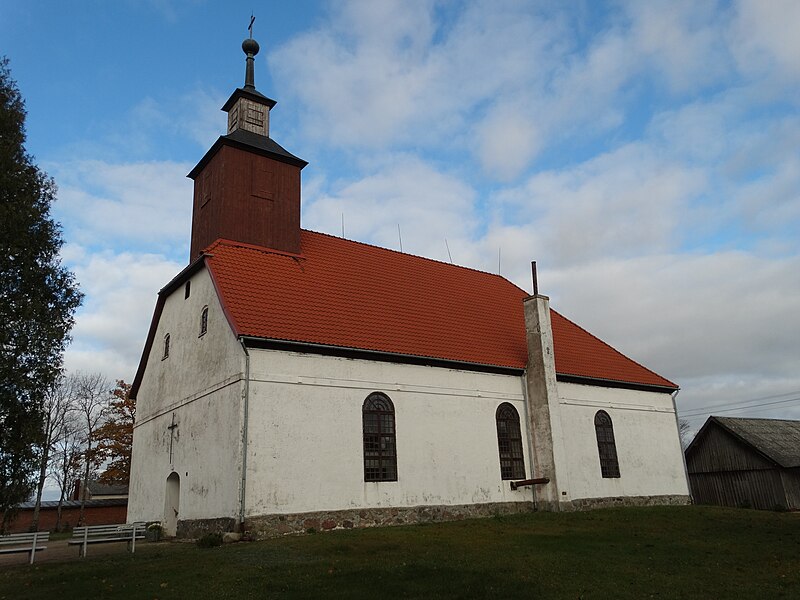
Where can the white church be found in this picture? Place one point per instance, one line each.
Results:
(293, 380)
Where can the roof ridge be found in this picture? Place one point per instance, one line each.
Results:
(756, 419)
(433, 260)
(245, 245)
(589, 333)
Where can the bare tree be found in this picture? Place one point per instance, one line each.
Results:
(65, 466)
(58, 402)
(684, 430)
(91, 402)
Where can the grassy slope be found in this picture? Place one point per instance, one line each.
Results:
(677, 552)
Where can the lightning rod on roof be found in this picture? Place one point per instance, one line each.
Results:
(498, 259)
(400, 237)
(342, 224)
(446, 245)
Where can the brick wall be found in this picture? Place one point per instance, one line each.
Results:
(95, 515)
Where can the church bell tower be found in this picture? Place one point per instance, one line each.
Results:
(247, 187)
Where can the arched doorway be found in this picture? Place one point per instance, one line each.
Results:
(172, 504)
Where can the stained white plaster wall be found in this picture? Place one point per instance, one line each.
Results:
(201, 384)
(305, 448)
(645, 431)
(305, 434)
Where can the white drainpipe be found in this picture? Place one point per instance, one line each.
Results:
(683, 452)
(244, 432)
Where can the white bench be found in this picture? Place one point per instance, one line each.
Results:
(101, 534)
(24, 542)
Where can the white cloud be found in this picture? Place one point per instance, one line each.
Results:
(772, 202)
(115, 216)
(764, 38)
(681, 41)
(428, 205)
(706, 130)
(112, 324)
(621, 204)
(362, 81)
(139, 205)
(503, 80)
(200, 117)
(752, 164)
(507, 142)
(730, 315)
(383, 73)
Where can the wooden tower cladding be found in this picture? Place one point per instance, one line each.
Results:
(247, 187)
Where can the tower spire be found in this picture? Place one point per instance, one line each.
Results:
(247, 187)
(247, 108)
(250, 48)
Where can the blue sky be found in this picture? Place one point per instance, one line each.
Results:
(647, 155)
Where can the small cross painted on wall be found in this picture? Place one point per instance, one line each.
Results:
(172, 429)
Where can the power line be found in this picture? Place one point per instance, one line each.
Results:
(764, 409)
(722, 410)
(728, 404)
(741, 408)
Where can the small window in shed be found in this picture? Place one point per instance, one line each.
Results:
(187, 289)
(203, 321)
(166, 347)
(509, 442)
(606, 446)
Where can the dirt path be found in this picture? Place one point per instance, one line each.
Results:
(60, 551)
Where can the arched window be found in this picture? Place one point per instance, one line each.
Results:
(380, 452)
(166, 347)
(204, 321)
(606, 446)
(509, 441)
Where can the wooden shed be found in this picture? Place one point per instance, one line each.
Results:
(753, 463)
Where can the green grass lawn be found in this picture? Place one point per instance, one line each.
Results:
(661, 552)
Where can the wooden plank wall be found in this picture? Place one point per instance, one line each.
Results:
(791, 485)
(718, 451)
(725, 471)
(762, 489)
(246, 197)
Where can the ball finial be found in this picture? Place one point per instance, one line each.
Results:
(250, 47)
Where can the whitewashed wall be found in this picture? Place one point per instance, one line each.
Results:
(305, 434)
(201, 383)
(305, 446)
(645, 431)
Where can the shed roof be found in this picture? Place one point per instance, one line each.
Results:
(777, 439)
(49, 504)
(96, 488)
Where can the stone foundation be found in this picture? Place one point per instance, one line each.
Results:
(267, 526)
(608, 502)
(197, 528)
(276, 525)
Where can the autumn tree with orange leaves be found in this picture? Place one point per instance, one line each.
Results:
(114, 437)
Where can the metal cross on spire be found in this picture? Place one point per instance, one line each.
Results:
(250, 47)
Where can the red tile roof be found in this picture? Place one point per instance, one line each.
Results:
(353, 295)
